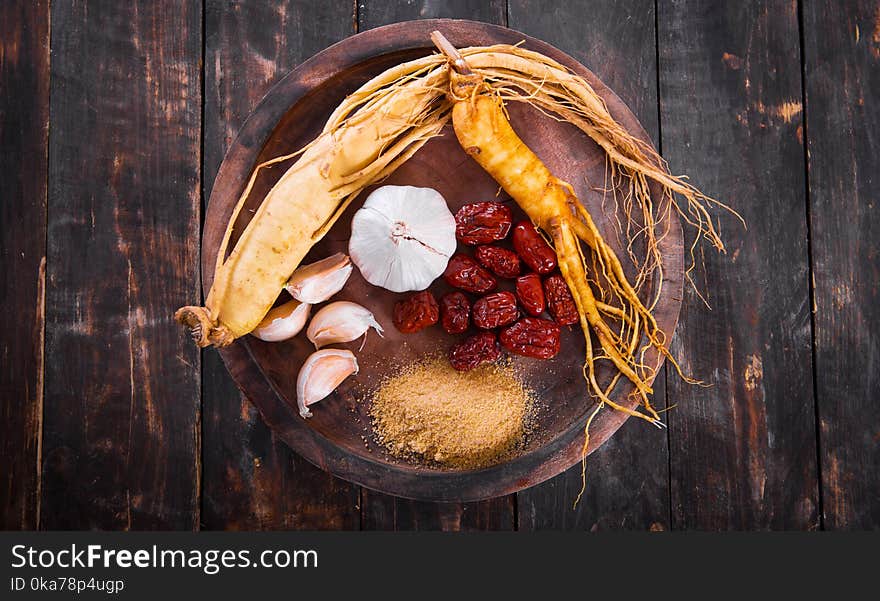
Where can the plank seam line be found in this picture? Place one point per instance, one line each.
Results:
(41, 387)
(199, 454)
(811, 282)
(665, 370)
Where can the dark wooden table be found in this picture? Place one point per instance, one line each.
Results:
(112, 128)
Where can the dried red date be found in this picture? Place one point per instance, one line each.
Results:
(455, 312)
(465, 273)
(533, 249)
(472, 351)
(532, 337)
(495, 310)
(502, 262)
(530, 293)
(416, 313)
(482, 222)
(560, 302)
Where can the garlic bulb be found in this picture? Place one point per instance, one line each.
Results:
(321, 373)
(316, 282)
(341, 321)
(283, 322)
(402, 238)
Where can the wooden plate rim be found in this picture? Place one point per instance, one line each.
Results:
(403, 480)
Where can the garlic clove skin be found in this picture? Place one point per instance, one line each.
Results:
(321, 374)
(284, 322)
(342, 321)
(318, 281)
(402, 237)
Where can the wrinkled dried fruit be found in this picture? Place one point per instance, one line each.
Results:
(482, 222)
(465, 273)
(560, 302)
(472, 351)
(533, 249)
(455, 312)
(502, 262)
(530, 293)
(495, 310)
(532, 337)
(416, 313)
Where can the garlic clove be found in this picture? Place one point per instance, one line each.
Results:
(402, 237)
(284, 322)
(342, 321)
(321, 374)
(316, 282)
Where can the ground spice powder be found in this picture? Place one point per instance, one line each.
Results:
(430, 411)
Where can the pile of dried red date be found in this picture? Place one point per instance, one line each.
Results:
(515, 316)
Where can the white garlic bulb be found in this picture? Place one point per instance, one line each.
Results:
(316, 282)
(342, 321)
(284, 322)
(402, 238)
(321, 373)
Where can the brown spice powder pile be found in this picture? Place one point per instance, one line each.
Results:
(432, 412)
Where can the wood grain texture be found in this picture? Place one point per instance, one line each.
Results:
(842, 64)
(121, 426)
(251, 479)
(385, 512)
(373, 13)
(24, 128)
(122, 381)
(628, 477)
(743, 452)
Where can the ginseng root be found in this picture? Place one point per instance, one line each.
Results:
(482, 128)
(374, 130)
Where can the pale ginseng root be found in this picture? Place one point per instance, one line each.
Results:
(369, 135)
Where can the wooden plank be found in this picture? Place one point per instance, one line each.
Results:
(252, 480)
(24, 128)
(842, 66)
(373, 13)
(743, 452)
(121, 424)
(628, 477)
(385, 512)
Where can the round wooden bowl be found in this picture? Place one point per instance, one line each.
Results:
(338, 437)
